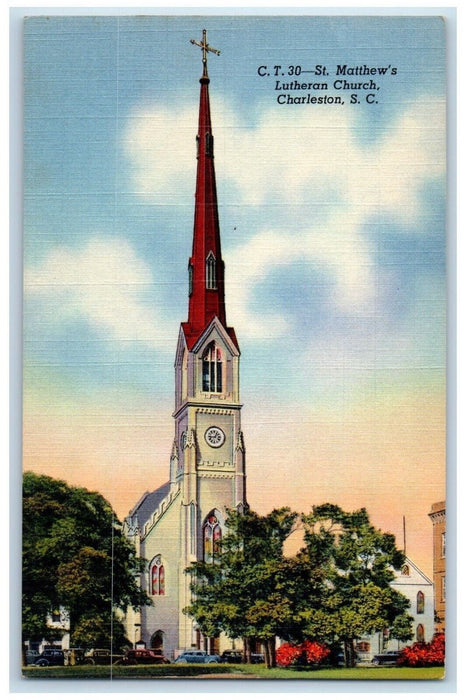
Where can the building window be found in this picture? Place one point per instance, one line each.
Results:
(420, 635)
(212, 369)
(212, 535)
(211, 272)
(190, 279)
(405, 570)
(420, 603)
(209, 144)
(442, 546)
(158, 577)
(443, 589)
(56, 616)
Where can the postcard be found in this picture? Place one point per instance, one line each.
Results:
(234, 347)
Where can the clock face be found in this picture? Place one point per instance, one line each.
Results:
(215, 437)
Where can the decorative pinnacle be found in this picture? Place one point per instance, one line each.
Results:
(205, 47)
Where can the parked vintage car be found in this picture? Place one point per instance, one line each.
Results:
(76, 656)
(196, 656)
(257, 658)
(231, 656)
(31, 656)
(143, 656)
(386, 658)
(100, 657)
(50, 657)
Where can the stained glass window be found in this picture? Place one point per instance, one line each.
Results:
(212, 535)
(158, 577)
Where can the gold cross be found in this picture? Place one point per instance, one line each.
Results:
(205, 47)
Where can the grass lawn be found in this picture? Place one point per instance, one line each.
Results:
(360, 673)
(234, 670)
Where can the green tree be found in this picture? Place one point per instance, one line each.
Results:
(253, 590)
(95, 632)
(75, 556)
(402, 628)
(359, 562)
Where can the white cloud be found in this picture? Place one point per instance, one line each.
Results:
(289, 154)
(161, 151)
(340, 250)
(287, 157)
(104, 283)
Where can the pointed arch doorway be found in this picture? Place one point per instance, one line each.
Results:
(156, 641)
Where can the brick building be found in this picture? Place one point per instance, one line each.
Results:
(437, 515)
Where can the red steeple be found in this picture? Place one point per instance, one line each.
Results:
(206, 267)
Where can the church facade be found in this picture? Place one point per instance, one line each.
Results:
(413, 583)
(182, 521)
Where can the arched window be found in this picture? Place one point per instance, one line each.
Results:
(210, 272)
(211, 535)
(405, 570)
(420, 603)
(157, 577)
(212, 369)
(420, 635)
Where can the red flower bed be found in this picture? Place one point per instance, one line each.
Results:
(301, 654)
(422, 654)
(288, 654)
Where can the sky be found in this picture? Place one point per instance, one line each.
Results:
(332, 220)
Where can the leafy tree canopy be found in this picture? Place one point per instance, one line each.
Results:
(96, 631)
(360, 563)
(74, 555)
(253, 590)
(334, 590)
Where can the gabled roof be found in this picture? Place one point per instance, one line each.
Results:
(149, 503)
(194, 337)
(416, 576)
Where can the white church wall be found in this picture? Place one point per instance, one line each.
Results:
(163, 540)
(411, 582)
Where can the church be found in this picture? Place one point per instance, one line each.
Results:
(182, 521)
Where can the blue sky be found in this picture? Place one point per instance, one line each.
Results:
(332, 223)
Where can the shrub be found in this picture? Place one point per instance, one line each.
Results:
(422, 654)
(288, 654)
(301, 654)
(315, 652)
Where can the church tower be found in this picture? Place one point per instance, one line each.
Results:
(208, 449)
(183, 521)
(207, 408)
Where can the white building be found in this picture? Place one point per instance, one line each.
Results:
(59, 624)
(419, 590)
